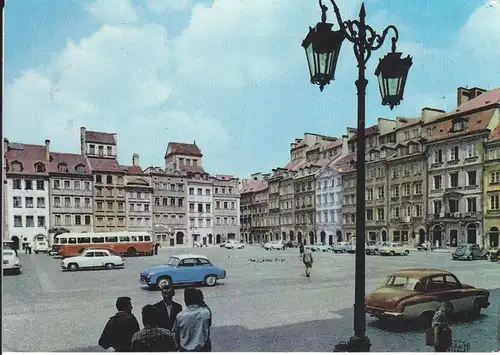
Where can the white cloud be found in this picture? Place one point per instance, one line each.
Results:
(159, 6)
(112, 11)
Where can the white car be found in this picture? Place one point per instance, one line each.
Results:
(274, 246)
(41, 247)
(234, 245)
(342, 247)
(319, 247)
(394, 249)
(93, 258)
(11, 261)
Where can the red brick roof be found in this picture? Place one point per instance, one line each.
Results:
(224, 177)
(486, 99)
(183, 149)
(345, 163)
(71, 160)
(368, 132)
(292, 164)
(131, 169)
(99, 137)
(477, 122)
(254, 186)
(192, 169)
(105, 165)
(337, 143)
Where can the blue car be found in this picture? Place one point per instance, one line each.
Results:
(183, 269)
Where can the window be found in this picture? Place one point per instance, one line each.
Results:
(157, 201)
(396, 236)
(191, 191)
(200, 208)
(418, 210)
(180, 202)
(17, 202)
(458, 126)
(29, 202)
(28, 185)
(191, 207)
(18, 221)
(77, 185)
(471, 205)
(39, 168)
(494, 153)
(471, 177)
(407, 136)
(30, 221)
(16, 166)
(369, 194)
(40, 202)
(438, 156)
(454, 153)
(109, 179)
(225, 205)
(80, 169)
(406, 190)
(471, 150)
(87, 202)
(369, 214)
(380, 214)
(110, 206)
(453, 179)
(67, 202)
(40, 185)
(87, 185)
(395, 212)
(437, 182)
(380, 192)
(78, 220)
(199, 192)
(453, 204)
(495, 202)
(87, 220)
(67, 184)
(40, 220)
(109, 151)
(495, 177)
(233, 205)
(395, 191)
(395, 173)
(16, 184)
(418, 188)
(217, 205)
(207, 207)
(99, 206)
(67, 220)
(57, 220)
(207, 192)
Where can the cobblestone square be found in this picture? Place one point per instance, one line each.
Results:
(267, 306)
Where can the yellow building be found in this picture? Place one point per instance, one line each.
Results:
(492, 188)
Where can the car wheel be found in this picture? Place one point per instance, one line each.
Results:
(343, 251)
(131, 251)
(210, 280)
(407, 252)
(392, 253)
(163, 281)
(73, 267)
(109, 266)
(36, 252)
(469, 258)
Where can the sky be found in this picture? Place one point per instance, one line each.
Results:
(230, 75)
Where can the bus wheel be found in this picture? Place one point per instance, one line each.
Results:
(131, 251)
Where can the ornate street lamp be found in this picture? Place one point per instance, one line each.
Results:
(322, 46)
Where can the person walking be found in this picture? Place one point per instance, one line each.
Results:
(157, 245)
(29, 246)
(192, 326)
(441, 328)
(301, 249)
(307, 259)
(168, 309)
(153, 338)
(120, 328)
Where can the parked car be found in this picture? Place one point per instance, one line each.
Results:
(93, 258)
(11, 261)
(291, 244)
(416, 294)
(318, 247)
(393, 249)
(182, 269)
(351, 249)
(467, 251)
(222, 245)
(234, 245)
(41, 246)
(276, 245)
(371, 249)
(495, 255)
(425, 247)
(341, 247)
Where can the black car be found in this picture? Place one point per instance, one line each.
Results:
(467, 251)
(495, 255)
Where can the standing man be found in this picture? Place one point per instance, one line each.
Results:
(307, 259)
(157, 245)
(153, 338)
(168, 308)
(120, 328)
(192, 326)
(301, 249)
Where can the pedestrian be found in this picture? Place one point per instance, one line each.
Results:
(153, 338)
(157, 245)
(168, 309)
(29, 247)
(120, 328)
(301, 249)
(307, 259)
(192, 326)
(441, 329)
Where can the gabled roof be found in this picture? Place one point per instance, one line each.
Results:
(71, 160)
(105, 165)
(99, 137)
(176, 148)
(254, 186)
(486, 99)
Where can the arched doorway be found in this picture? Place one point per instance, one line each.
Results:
(311, 237)
(421, 236)
(384, 235)
(330, 239)
(210, 239)
(339, 236)
(299, 237)
(323, 237)
(472, 233)
(277, 236)
(436, 235)
(494, 237)
(283, 235)
(218, 239)
(179, 238)
(292, 237)
(15, 242)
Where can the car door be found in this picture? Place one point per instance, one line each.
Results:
(186, 271)
(100, 258)
(437, 287)
(203, 268)
(87, 260)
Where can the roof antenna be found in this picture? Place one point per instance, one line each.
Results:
(194, 142)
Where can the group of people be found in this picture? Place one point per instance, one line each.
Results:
(167, 327)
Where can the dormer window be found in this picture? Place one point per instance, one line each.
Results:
(16, 166)
(109, 151)
(92, 149)
(39, 168)
(80, 169)
(459, 124)
(62, 168)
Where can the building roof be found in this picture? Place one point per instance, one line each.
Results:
(192, 169)
(368, 132)
(71, 160)
(334, 144)
(175, 148)
(131, 169)
(486, 99)
(407, 122)
(105, 165)
(254, 186)
(345, 163)
(99, 137)
(291, 165)
(222, 177)
(477, 122)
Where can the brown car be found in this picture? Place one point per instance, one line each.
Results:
(415, 295)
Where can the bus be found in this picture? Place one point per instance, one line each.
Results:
(124, 243)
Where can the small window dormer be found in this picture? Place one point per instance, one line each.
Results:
(16, 166)
(39, 168)
(80, 168)
(458, 124)
(62, 168)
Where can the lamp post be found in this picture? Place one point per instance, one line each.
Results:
(322, 46)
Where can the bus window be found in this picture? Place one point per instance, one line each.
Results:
(141, 238)
(124, 239)
(84, 240)
(98, 240)
(147, 238)
(72, 241)
(63, 240)
(111, 239)
(134, 238)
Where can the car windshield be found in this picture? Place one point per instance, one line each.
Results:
(463, 246)
(8, 253)
(404, 282)
(172, 262)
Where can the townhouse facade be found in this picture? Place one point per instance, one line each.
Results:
(287, 204)
(226, 208)
(254, 210)
(492, 189)
(274, 205)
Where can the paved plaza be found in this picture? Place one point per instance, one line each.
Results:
(259, 307)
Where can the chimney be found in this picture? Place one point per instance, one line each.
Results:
(83, 145)
(475, 92)
(47, 150)
(5, 146)
(115, 138)
(135, 159)
(427, 114)
(463, 95)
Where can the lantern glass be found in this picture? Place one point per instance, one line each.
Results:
(392, 72)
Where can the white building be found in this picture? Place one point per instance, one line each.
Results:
(27, 168)
(200, 209)
(329, 204)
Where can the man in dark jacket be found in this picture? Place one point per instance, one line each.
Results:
(301, 249)
(168, 308)
(120, 328)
